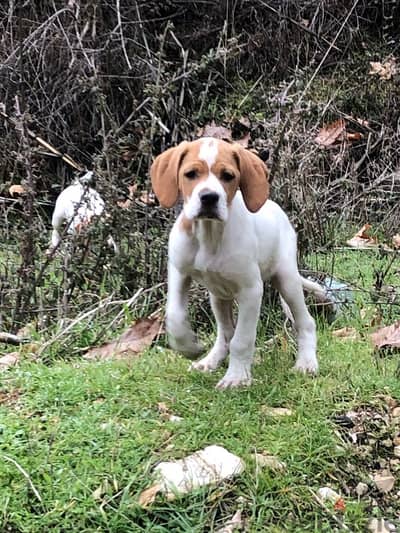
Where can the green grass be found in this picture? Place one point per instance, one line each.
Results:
(88, 434)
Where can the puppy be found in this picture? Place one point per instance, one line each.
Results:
(76, 206)
(230, 238)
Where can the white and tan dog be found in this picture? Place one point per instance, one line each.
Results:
(230, 238)
(76, 206)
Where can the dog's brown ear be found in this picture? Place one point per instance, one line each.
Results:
(164, 174)
(253, 179)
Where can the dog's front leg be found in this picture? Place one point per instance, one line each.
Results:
(243, 342)
(180, 335)
(225, 329)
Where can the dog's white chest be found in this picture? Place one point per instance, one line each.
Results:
(216, 283)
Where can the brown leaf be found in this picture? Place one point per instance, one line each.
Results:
(131, 343)
(9, 359)
(331, 133)
(362, 239)
(396, 240)
(384, 70)
(387, 337)
(218, 132)
(148, 496)
(16, 189)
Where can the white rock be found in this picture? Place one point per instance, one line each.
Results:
(379, 525)
(328, 494)
(396, 451)
(361, 489)
(208, 466)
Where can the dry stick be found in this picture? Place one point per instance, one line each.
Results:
(122, 35)
(326, 54)
(25, 474)
(48, 146)
(9, 338)
(102, 304)
(120, 313)
(293, 21)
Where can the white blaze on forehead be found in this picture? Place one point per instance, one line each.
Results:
(208, 151)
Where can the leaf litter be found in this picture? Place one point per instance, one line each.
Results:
(131, 343)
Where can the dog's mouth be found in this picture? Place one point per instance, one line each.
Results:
(206, 214)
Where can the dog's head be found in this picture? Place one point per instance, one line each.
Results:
(207, 173)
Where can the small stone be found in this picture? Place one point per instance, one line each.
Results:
(361, 489)
(328, 494)
(396, 412)
(396, 440)
(276, 411)
(380, 525)
(269, 461)
(396, 451)
(384, 481)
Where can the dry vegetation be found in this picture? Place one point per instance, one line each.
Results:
(114, 83)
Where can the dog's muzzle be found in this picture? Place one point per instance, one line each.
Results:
(209, 204)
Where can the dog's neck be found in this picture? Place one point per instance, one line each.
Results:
(209, 234)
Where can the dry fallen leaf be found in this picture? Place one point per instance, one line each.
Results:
(148, 496)
(384, 70)
(331, 133)
(218, 132)
(131, 343)
(9, 359)
(336, 132)
(347, 333)
(16, 189)
(362, 239)
(387, 337)
(396, 240)
(384, 481)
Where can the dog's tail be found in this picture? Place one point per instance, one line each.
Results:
(312, 287)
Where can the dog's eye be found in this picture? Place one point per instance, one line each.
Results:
(227, 176)
(191, 174)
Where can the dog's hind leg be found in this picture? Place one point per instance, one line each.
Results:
(290, 287)
(225, 328)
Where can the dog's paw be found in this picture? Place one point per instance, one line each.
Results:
(207, 364)
(306, 366)
(189, 348)
(232, 380)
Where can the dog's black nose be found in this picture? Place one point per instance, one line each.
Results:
(208, 198)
